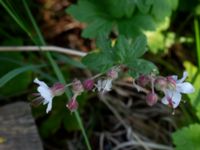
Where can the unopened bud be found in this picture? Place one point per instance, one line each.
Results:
(143, 80)
(58, 89)
(160, 83)
(72, 105)
(88, 84)
(113, 74)
(77, 87)
(151, 98)
(171, 83)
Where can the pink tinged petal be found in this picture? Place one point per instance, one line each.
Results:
(172, 98)
(185, 74)
(176, 98)
(185, 88)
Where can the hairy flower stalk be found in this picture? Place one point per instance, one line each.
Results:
(77, 89)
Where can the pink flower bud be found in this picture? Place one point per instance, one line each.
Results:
(171, 83)
(113, 74)
(72, 105)
(151, 98)
(143, 80)
(160, 83)
(77, 87)
(58, 89)
(88, 84)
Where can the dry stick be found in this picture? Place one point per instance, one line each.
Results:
(146, 145)
(123, 123)
(152, 145)
(43, 48)
(101, 142)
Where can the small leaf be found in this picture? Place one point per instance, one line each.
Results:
(187, 138)
(10, 75)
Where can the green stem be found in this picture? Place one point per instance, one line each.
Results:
(196, 29)
(48, 55)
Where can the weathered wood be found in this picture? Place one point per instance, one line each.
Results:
(17, 128)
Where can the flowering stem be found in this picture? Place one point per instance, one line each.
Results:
(48, 55)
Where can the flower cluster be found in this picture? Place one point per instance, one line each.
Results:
(46, 94)
(170, 86)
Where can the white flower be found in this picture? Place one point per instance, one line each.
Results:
(45, 93)
(104, 85)
(173, 96)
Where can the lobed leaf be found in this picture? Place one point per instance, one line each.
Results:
(187, 138)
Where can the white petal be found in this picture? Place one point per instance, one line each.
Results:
(49, 106)
(45, 92)
(99, 85)
(176, 98)
(107, 84)
(185, 87)
(175, 77)
(164, 100)
(185, 74)
(41, 83)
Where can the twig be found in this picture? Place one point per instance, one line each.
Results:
(43, 48)
(150, 145)
(101, 142)
(117, 115)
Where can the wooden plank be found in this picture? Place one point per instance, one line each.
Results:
(17, 128)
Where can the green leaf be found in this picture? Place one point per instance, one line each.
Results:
(126, 50)
(84, 11)
(144, 5)
(10, 75)
(139, 46)
(161, 9)
(51, 125)
(187, 138)
(141, 66)
(96, 27)
(136, 25)
(98, 61)
(70, 122)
